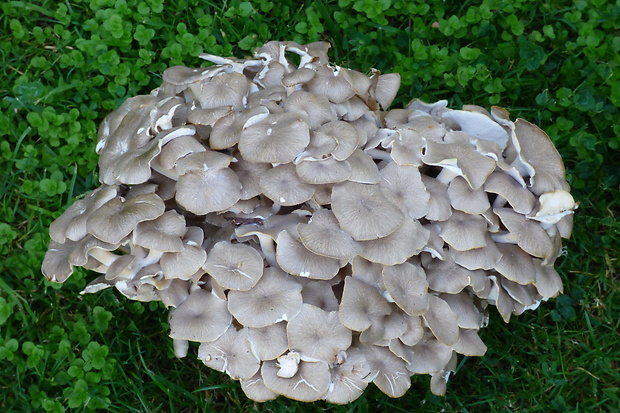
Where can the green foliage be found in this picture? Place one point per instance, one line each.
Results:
(67, 64)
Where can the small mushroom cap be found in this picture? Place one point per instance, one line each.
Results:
(162, 234)
(323, 171)
(231, 354)
(515, 264)
(234, 266)
(361, 304)
(554, 205)
(464, 231)
(278, 138)
(519, 198)
(406, 284)
(407, 240)
(484, 258)
(119, 216)
(468, 315)
(316, 109)
(364, 212)
(402, 184)
(183, 264)
(439, 208)
(348, 379)
(386, 89)
(202, 317)
(465, 199)
(208, 190)
(72, 223)
(363, 168)
(224, 89)
(548, 282)
(269, 342)
(56, 267)
(331, 85)
(276, 297)
(282, 185)
(538, 151)
(308, 384)
(389, 372)
(294, 258)
(528, 234)
(320, 294)
(317, 334)
(322, 235)
(478, 125)
(461, 159)
(428, 356)
(256, 390)
(441, 320)
(344, 134)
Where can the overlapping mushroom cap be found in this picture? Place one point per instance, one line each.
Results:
(311, 240)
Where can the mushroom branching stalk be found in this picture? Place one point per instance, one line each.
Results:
(309, 238)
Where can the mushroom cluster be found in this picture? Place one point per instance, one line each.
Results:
(311, 240)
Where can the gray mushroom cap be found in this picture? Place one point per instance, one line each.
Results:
(406, 284)
(361, 304)
(364, 212)
(234, 266)
(115, 219)
(202, 317)
(308, 384)
(277, 138)
(276, 297)
(72, 223)
(317, 334)
(349, 378)
(322, 235)
(231, 354)
(162, 234)
(269, 342)
(538, 151)
(282, 185)
(389, 372)
(294, 258)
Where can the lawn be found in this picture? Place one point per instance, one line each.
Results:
(67, 64)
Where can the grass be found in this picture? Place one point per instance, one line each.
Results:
(68, 64)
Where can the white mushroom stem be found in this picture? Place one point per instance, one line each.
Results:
(288, 364)
(447, 175)
(499, 202)
(180, 347)
(152, 258)
(267, 245)
(103, 256)
(379, 154)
